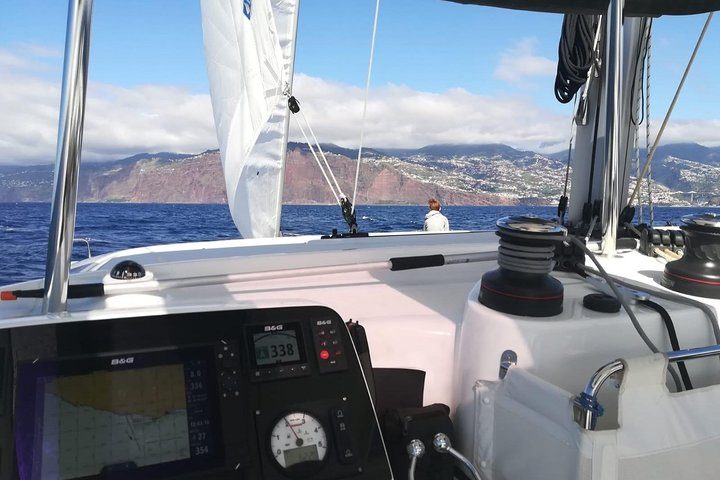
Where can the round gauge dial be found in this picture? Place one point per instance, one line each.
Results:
(297, 438)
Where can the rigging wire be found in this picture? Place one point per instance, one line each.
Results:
(651, 152)
(317, 160)
(322, 154)
(342, 200)
(367, 94)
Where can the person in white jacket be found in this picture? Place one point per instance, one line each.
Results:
(434, 220)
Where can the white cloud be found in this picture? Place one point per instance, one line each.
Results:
(399, 116)
(36, 50)
(118, 122)
(705, 132)
(146, 118)
(123, 121)
(519, 63)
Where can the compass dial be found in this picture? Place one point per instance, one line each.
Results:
(296, 438)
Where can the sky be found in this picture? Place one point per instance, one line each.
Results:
(443, 73)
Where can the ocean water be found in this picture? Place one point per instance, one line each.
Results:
(113, 226)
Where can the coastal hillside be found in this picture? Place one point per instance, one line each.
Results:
(457, 174)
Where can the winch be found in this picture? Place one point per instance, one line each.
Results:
(522, 284)
(698, 271)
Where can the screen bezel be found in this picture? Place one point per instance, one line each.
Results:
(29, 406)
(260, 329)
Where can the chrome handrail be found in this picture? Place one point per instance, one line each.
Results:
(67, 162)
(588, 409)
(87, 242)
(693, 353)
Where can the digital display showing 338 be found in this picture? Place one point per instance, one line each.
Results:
(278, 346)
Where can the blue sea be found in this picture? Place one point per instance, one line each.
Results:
(116, 226)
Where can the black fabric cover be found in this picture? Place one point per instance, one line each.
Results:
(405, 424)
(633, 8)
(398, 388)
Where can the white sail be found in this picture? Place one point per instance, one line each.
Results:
(249, 51)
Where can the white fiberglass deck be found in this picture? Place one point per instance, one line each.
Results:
(427, 319)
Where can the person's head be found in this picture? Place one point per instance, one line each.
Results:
(434, 204)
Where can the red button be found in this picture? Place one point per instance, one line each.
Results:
(324, 354)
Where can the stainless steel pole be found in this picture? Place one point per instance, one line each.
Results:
(613, 119)
(67, 160)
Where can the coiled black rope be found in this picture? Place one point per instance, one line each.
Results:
(575, 55)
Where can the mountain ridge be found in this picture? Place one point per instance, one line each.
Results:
(476, 174)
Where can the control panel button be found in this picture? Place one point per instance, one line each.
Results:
(279, 372)
(329, 346)
(230, 380)
(228, 354)
(346, 452)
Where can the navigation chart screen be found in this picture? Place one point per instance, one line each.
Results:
(140, 411)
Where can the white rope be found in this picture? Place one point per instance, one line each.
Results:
(309, 144)
(651, 153)
(636, 161)
(648, 53)
(322, 154)
(646, 117)
(367, 93)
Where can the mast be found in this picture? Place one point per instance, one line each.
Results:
(613, 118)
(283, 155)
(606, 127)
(67, 161)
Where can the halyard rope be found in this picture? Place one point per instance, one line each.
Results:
(648, 53)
